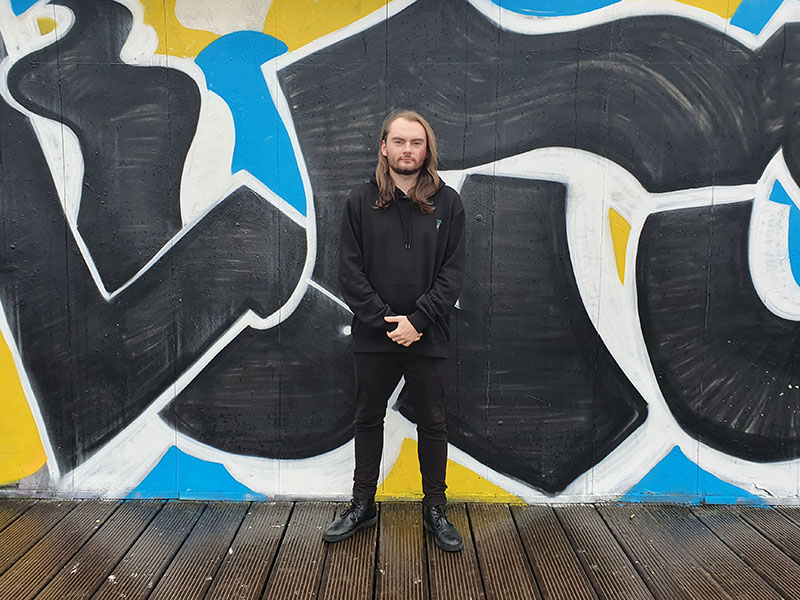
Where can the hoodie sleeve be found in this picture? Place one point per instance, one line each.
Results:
(440, 299)
(356, 289)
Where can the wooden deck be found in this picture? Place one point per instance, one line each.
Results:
(194, 550)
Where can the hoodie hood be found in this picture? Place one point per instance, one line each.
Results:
(404, 204)
(375, 181)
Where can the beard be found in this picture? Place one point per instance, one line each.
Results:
(404, 168)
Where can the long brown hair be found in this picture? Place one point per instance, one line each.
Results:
(427, 180)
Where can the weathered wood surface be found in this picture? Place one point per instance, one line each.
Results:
(150, 549)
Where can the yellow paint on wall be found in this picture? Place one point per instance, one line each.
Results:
(723, 8)
(298, 22)
(21, 450)
(173, 38)
(404, 481)
(46, 25)
(620, 231)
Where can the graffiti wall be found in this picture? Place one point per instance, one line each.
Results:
(171, 180)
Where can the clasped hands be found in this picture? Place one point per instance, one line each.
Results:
(404, 334)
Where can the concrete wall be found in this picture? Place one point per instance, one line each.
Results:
(171, 180)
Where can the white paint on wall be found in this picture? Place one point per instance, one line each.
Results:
(123, 463)
(223, 16)
(768, 246)
(536, 24)
(207, 171)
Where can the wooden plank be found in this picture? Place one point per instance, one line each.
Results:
(192, 570)
(244, 571)
(731, 573)
(65, 550)
(501, 557)
(350, 566)
(298, 567)
(32, 572)
(11, 508)
(659, 558)
(142, 567)
(555, 565)
(20, 536)
(611, 573)
(790, 512)
(402, 572)
(455, 575)
(780, 571)
(778, 529)
(84, 573)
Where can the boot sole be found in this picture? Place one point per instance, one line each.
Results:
(438, 543)
(344, 536)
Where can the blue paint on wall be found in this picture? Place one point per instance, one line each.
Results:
(781, 196)
(232, 66)
(553, 8)
(677, 479)
(20, 6)
(179, 475)
(753, 15)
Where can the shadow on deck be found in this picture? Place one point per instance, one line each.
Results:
(181, 550)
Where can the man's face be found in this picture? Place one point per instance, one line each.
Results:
(405, 146)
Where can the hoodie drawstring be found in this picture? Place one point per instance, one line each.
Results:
(405, 225)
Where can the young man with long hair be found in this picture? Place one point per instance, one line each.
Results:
(401, 268)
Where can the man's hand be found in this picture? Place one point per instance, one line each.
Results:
(404, 334)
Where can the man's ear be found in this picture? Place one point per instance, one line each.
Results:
(383, 148)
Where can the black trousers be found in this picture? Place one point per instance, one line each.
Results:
(377, 374)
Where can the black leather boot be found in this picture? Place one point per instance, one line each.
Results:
(444, 533)
(360, 514)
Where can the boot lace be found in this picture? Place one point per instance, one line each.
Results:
(439, 515)
(351, 509)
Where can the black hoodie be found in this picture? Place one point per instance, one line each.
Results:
(401, 261)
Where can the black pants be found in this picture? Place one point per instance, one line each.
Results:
(377, 374)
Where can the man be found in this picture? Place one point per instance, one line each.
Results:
(401, 268)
